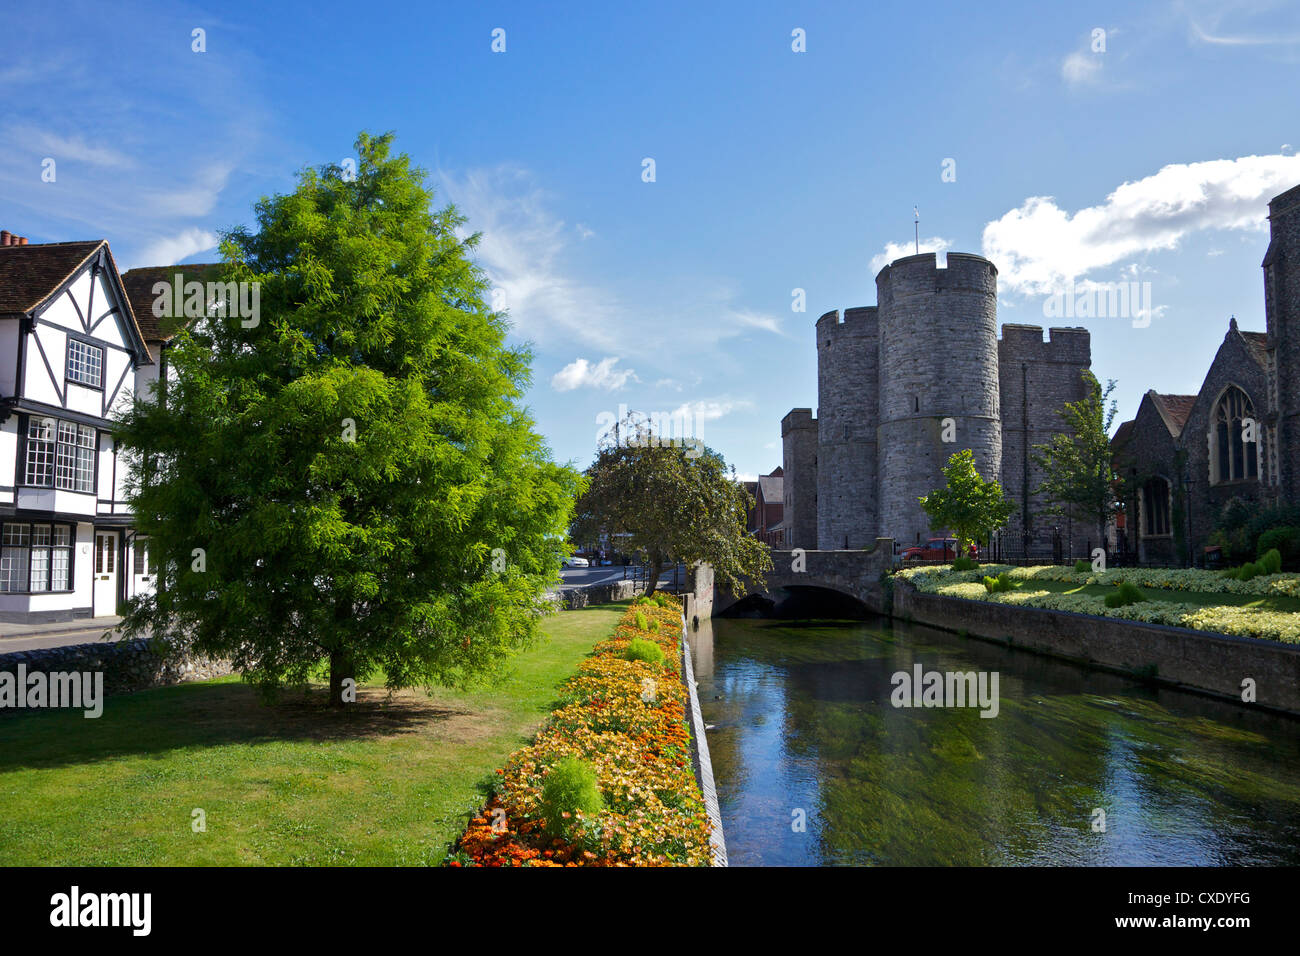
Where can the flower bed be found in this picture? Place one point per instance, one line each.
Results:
(1239, 621)
(627, 720)
(1186, 579)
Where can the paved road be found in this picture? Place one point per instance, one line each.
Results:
(30, 637)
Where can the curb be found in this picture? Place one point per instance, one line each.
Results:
(700, 757)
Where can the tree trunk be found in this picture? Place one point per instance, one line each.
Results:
(656, 567)
(341, 667)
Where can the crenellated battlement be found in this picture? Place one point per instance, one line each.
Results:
(797, 418)
(857, 321)
(1024, 343)
(963, 271)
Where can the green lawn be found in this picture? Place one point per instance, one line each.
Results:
(1199, 598)
(381, 783)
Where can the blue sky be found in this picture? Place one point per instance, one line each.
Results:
(1151, 160)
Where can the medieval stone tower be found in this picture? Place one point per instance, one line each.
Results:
(1282, 317)
(904, 384)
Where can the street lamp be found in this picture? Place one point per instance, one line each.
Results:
(1187, 512)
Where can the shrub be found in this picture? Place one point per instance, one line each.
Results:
(654, 625)
(964, 563)
(640, 621)
(569, 788)
(663, 599)
(642, 650)
(1270, 546)
(1124, 595)
(1083, 566)
(1001, 583)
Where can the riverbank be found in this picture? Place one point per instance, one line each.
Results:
(1247, 670)
(389, 782)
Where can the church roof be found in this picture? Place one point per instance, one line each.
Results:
(1174, 409)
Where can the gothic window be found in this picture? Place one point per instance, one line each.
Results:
(1234, 438)
(1155, 507)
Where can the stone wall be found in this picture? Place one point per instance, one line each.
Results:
(1198, 660)
(571, 599)
(127, 665)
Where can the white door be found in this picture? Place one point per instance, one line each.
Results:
(142, 574)
(105, 573)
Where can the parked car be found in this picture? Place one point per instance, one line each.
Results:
(573, 561)
(936, 549)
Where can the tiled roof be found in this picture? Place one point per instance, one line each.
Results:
(1174, 409)
(30, 273)
(139, 284)
(772, 488)
(1257, 342)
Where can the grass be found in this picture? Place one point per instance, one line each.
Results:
(1198, 598)
(386, 782)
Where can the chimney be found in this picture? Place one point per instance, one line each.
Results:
(6, 237)
(22, 240)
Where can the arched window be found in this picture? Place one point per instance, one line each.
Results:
(1155, 507)
(1234, 438)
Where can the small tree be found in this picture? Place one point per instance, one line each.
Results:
(1078, 464)
(674, 501)
(968, 506)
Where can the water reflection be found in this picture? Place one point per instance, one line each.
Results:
(804, 731)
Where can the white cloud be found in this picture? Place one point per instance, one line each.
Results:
(898, 250)
(1039, 246)
(582, 374)
(169, 250)
(522, 253)
(1242, 39)
(708, 410)
(743, 319)
(1081, 68)
(65, 148)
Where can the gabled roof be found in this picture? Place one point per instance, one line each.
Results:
(772, 488)
(139, 284)
(1173, 409)
(30, 274)
(1123, 435)
(33, 274)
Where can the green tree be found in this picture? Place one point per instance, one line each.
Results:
(351, 478)
(674, 501)
(968, 506)
(1078, 464)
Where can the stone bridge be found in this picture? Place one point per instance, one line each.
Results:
(853, 574)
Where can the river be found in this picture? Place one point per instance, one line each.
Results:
(815, 766)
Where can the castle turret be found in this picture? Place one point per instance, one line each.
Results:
(938, 381)
(1282, 311)
(799, 482)
(847, 414)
